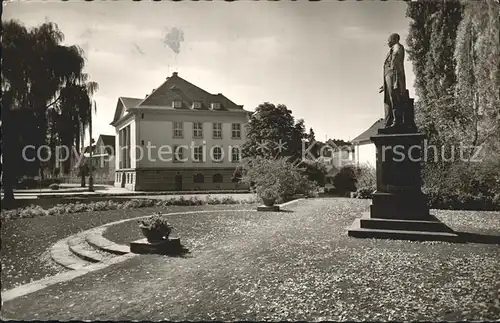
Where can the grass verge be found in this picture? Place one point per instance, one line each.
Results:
(33, 211)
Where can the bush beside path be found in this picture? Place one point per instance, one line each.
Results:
(297, 265)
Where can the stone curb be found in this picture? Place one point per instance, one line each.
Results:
(96, 240)
(61, 254)
(75, 246)
(290, 202)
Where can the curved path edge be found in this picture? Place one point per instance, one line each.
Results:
(32, 287)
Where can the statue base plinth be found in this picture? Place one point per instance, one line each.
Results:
(398, 129)
(399, 208)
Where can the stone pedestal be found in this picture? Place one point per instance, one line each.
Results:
(272, 208)
(168, 246)
(399, 208)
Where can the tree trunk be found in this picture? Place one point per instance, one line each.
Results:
(82, 181)
(8, 175)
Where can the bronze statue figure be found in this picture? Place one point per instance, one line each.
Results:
(394, 88)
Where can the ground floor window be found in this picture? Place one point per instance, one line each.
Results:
(217, 178)
(198, 178)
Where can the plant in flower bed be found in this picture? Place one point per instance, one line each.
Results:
(365, 192)
(33, 211)
(276, 178)
(155, 228)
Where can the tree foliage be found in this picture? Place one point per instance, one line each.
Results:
(431, 43)
(455, 50)
(269, 126)
(46, 96)
(477, 54)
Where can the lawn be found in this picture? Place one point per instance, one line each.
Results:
(297, 265)
(26, 242)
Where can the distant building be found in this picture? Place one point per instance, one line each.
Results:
(334, 158)
(103, 160)
(364, 148)
(189, 139)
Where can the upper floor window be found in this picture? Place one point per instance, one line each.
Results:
(217, 130)
(197, 130)
(196, 105)
(215, 106)
(178, 130)
(177, 104)
(236, 131)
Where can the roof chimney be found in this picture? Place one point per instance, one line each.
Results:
(174, 74)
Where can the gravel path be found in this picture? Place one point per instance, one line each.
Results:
(296, 265)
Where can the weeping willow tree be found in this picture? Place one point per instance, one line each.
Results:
(46, 97)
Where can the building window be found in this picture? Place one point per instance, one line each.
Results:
(235, 154)
(215, 106)
(142, 115)
(198, 178)
(198, 154)
(178, 154)
(177, 104)
(236, 131)
(217, 130)
(196, 105)
(217, 178)
(197, 130)
(124, 147)
(217, 154)
(178, 129)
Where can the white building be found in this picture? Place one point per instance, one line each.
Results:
(179, 137)
(364, 149)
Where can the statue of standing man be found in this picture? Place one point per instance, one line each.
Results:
(394, 88)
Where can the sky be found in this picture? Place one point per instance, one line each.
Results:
(323, 60)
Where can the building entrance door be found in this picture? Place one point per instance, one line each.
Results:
(178, 182)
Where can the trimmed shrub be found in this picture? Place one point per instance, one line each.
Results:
(365, 192)
(315, 171)
(345, 179)
(366, 176)
(275, 178)
(464, 185)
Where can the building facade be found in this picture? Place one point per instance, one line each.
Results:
(178, 138)
(365, 153)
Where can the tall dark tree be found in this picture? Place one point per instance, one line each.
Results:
(431, 43)
(269, 126)
(477, 54)
(39, 74)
